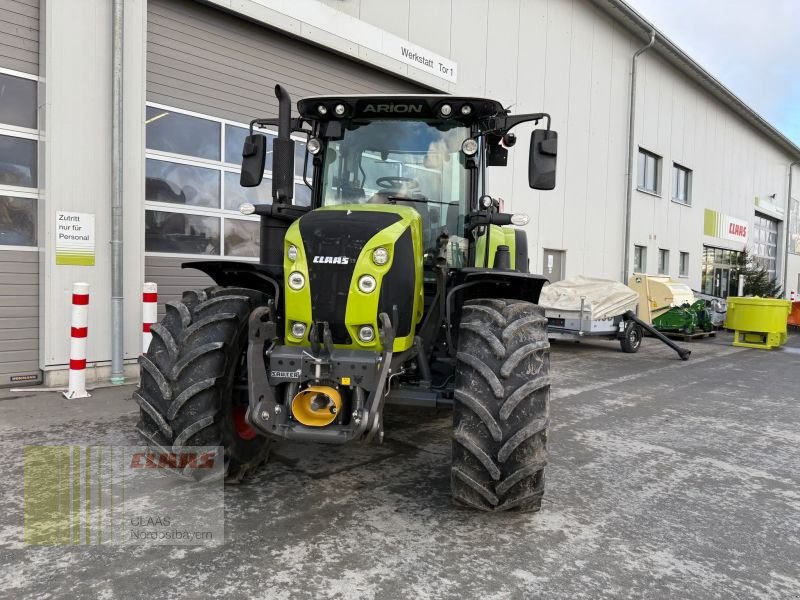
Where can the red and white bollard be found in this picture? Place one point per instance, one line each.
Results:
(149, 313)
(77, 345)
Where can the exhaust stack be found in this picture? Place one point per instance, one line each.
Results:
(283, 151)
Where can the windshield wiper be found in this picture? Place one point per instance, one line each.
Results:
(394, 199)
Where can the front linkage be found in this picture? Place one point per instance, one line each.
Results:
(270, 365)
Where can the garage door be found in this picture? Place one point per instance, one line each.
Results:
(208, 74)
(19, 260)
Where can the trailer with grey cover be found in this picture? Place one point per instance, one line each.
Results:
(583, 308)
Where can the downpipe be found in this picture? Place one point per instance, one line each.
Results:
(117, 299)
(787, 228)
(631, 135)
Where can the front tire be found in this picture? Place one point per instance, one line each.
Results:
(501, 409)
(193, 379)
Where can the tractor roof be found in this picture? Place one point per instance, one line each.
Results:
(399, 106)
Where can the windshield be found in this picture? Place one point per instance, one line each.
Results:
(413, 163)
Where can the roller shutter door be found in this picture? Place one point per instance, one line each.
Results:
(19, 270)
(19, 35)
(19, 318)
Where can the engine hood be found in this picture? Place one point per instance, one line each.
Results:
(334, 250)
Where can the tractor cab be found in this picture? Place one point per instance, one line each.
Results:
(429, 152)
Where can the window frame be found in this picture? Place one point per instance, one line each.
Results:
(222, 167)
(676, 168)
(681, 271)
(16, 190)
(657, 178)
(663, 261)
(643, 262)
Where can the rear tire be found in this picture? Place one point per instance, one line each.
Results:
(502, 400)
(193, 376)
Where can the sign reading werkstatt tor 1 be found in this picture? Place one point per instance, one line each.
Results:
(75, 239)
(313, 15)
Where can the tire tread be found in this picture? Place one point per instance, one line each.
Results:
(501, 409)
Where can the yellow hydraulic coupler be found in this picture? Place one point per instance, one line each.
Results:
(317, 405)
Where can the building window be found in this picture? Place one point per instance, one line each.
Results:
(192, 191)
(721, 270)
(639, 259)
(649, 172)
(19, 176)
(681, 184)
(18, 161)
(17, 221)
(18, 101)
(179, 133)
(663, 261)
(765, 245)
(683, 265)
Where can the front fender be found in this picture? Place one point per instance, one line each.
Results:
(474, 283)
(232, 273)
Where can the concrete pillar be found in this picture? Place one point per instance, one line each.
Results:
(76, 168)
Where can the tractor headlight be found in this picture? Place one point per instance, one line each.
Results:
(314, 146)
(298, 329)
(296, 281)
(322, 109)
(339, 110)
(367, 284)
(466, 109)
(469, 147)
(446, 110)
(366, 334)
(291, 252)
(380, 256)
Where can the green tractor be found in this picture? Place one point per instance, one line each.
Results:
(402, 283)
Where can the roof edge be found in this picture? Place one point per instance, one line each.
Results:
(627, 16)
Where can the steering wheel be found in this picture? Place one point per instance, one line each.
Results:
(394, 182)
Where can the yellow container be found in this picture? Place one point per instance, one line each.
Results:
(758, 322)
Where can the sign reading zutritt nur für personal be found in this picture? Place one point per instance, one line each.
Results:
(75, 239)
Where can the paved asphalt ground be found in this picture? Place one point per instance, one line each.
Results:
(666, 480)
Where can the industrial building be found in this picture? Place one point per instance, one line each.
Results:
(708, 176)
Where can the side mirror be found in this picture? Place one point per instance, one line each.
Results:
(254, 156)
(542, 159)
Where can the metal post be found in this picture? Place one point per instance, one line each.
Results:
(741, 285)
(626, 253)
(117, 318)
(79, 331)
(787, 229)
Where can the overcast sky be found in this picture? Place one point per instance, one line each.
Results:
(751, 46)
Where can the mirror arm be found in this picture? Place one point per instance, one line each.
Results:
(296, 125)
(508, 122)
(283, 212)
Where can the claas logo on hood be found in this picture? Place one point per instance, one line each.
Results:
(331, 260)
